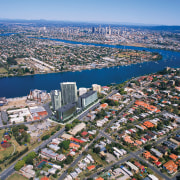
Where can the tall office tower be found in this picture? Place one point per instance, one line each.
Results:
(106, 30)
(109, 30)
(93, 30)
(56, 99)
(100, 30)
(68, 92)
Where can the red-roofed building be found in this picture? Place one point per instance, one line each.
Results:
(44, 178)
(158, 163)
(91, 167)
(84, 133)
(76, 140)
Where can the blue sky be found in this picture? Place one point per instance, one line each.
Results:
(161, 12)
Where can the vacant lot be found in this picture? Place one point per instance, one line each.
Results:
(3, 70)
(16, 176)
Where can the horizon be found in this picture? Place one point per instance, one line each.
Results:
(88, 22)
(139, 12)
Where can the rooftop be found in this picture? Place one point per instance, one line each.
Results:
(89, 93)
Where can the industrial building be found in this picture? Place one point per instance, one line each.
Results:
(68, 92)
(56, 99)
(87, 98)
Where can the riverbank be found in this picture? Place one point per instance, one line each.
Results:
(107, 43)
(117, 65)
(21, 85)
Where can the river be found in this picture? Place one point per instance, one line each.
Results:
(20, 86)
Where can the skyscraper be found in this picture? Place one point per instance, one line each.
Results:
(56, 99)
(109, 30)
(93, 30)
(68, 92)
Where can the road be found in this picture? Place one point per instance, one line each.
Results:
(110, 166)
(101, 132)
(76, 160)
(1, 123)
(10, 169)
(87, 111)
(150, 166)
(120, 114)
(107, 136)
(113, 92)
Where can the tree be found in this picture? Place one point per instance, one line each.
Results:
(91, 138)
(45, 137)
(29, 158)
(148, 147)
(64, 144)
(68, 127)
(96, 150)
(68, 160)
(19, 165)
(70, 170)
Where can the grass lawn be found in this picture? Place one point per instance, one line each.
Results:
(5, 152)
(3, 70)
(16, 176)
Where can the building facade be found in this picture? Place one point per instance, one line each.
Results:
(87, 98)
(68, 92)
(56, 99)
(82, 91)
(66, 112)
(96, 87)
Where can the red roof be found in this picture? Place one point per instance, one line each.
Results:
(44, 178)
(158, 163)
(77, 140)
(91, 167)
(84, 133)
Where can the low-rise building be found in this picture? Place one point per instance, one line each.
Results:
(28, 171)
(49, 153)
(171, 167)
(77, 128)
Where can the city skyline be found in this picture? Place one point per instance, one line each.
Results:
(161, 12)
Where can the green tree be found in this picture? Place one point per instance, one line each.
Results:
(19, 165)
(29, 158)
(68, 160)
(68, 127)
(96, 150)
(64, 144)
(148, 147)
(45, 137)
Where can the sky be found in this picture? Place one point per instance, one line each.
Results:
(154, 12)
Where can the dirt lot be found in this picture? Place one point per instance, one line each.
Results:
(15, 102)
